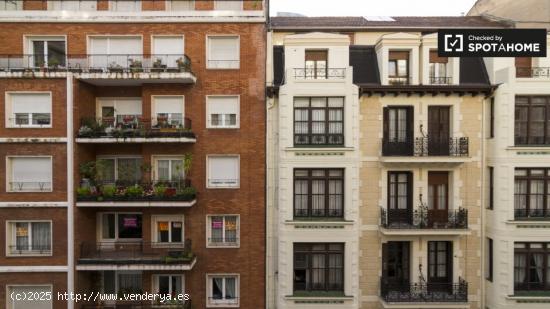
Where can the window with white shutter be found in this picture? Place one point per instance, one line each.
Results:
(223, 111)
(11, 5)
(229, 5)
(181, 5)
(223, 52)
(167, 51)
(29, 110)
(72, 5)
(168, 111)
(25, 302)
(29, 174)
(223, 171)
(125, 5)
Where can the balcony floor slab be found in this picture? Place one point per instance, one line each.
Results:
(151, 204)
(427, 232)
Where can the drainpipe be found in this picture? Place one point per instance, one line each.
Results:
(70, 191)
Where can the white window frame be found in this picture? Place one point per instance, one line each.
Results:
(116, 239)
(223, 244)
(11, 239)
(225, 303)
(10, 303)
(217, 9)
(9, 174)
(4, 4)
(168, 5)
(29, 47)
(209, 113)
(80, 8)
(156, 277)
(168, 218)
(228, 186)
(156, 158)
(153, 36)
(117, 272)
(10, 115)
(238, 37)
(113, 4)
(154, 112)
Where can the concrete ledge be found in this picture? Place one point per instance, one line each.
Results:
(151, 204)
(416, 232)
(130, 140)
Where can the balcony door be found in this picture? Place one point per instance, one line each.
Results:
(114, 52)
(440, 265)
(438, 198)
(395, 265)
(399, 198)
(167, 51)
(439, 130)
(316, 64)
(398, 131)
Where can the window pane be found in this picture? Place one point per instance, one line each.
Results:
(177, 231)
(164, 285)
(108, 225)
(163, 229)
(129, 226)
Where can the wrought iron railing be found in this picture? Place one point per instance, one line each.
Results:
(399, 80)
(212, 182)
(533, 72)
(30, 186)
(423, 292)
(136, 191)
(440, 80)
(328, 139)
(135, 126)
(97, 63)
(423, 218)
(426, 146)
(319, 73)
(135, 252)
(319, 213)
(531, 214)
(23, 249)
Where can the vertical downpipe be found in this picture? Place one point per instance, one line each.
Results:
(70, 191)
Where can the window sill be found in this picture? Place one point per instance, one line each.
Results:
(319, 297)
(29, 127)
(223, 127)
(213, 245)
(28, 254)
(31, 191)
(222, 304)
(528, 147)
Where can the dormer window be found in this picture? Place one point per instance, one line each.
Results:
(438, 69)
(316, 64)
(398, 68)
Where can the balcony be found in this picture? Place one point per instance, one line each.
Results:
(532, 72)
(135, 255)
(523, 214)
(319, 73)
(136, 129)
(424, 292)
(399, 80)
(100, 69)
(132, 194)
(440, 80)
(424, 147)
(424, 221)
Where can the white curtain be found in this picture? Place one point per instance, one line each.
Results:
(230, 288)
(41, 236)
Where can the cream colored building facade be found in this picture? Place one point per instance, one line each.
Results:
(517, 224)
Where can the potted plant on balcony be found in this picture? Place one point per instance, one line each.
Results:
(75, 69)
(183, 64)
(53, 65)
(134, 192)
(136, 66)
(108, 191)
(115, 68)
(158, 66)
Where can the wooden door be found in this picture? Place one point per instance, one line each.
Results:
(395, 265)
(438, 130)
(438, 199)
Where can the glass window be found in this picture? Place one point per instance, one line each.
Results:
(531, 193)
(223, 111)
(30, 174)
(319, 121)
(318, 193)
(30, 110)
(11, 5)
(48, 52)
(169, 230)
(30, 302)
(126, 171)
(223, 52)
(170, 169)
(170, 284)
(125, 5)
(121, 226)
(224, 231)
(30, 238)
(223, 289)
(531, 268)
(72, 5)
(318, 267)
(223, 171)
(532, 120)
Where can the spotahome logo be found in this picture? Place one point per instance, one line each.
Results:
(492, 42)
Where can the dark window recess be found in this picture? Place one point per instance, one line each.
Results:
(318, 267)
(319, 121)
(531, 193)
(398, 68)
(316, 64)
(395, 264)
(318, 193)
(491, 188)
(532, 117)
(398, 131)
(531, 267)
(489, 259)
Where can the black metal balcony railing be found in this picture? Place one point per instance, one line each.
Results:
(137, 305)
(135, 126)
(440, 80)
(119, 191)
(135, 252)
(30, 186)
(97, 63)
(337, 213)
(423, 218)
(399, 80)
(29, 249)
(328, 139)
(221, 241)
(424, 292)
(533, 72)
(426, 146)
(532, 214)
(322, 73)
